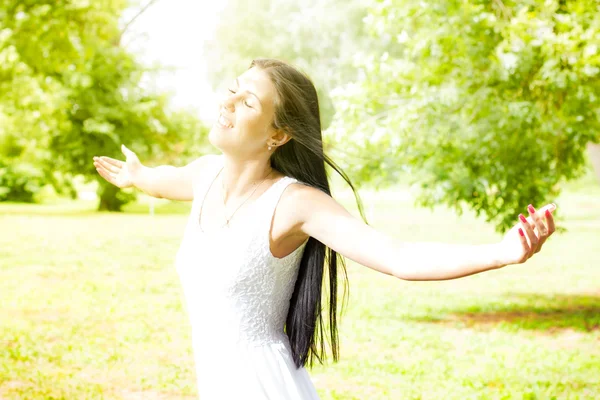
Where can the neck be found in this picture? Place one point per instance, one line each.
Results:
(240, 176)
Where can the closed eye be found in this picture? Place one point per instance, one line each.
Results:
(245, 102)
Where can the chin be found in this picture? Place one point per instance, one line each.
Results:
(214, 137)
(217, 139)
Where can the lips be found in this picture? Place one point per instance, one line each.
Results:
(224, 122)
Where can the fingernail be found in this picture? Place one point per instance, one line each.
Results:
(531, 209)
(522, 218)
(521, 232)
(547, 213)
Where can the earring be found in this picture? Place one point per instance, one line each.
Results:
(269, 147)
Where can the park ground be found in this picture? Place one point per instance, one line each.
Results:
(91, 308)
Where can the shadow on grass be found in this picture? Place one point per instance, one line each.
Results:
(529, 311)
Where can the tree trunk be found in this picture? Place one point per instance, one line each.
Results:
(594, 154)
(109, 199)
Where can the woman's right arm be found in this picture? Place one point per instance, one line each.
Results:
(169, 182)
(165, 181)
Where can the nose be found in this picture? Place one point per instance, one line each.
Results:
(228, 102)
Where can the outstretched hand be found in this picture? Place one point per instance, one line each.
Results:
(528, 236)
(117, 172)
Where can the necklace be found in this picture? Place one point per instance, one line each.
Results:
(227, 219)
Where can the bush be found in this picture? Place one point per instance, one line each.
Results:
(20, 181)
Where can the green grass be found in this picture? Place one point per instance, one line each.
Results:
(91, 308)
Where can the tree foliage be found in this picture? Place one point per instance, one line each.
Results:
(488, 104)
(71, 91)
(319, 36)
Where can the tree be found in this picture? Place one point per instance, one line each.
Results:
(594, 155)
(71, 91)
(319, 36)
(29, 107)
(490, 104)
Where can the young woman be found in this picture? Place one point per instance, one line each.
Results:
(263, 228)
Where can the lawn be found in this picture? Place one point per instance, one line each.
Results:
(91, 308)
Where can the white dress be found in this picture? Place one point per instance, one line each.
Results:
(237, 296)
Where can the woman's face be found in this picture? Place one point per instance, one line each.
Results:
(244, 127)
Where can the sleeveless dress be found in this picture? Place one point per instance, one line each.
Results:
(237, 297)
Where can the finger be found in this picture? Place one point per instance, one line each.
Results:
(107, 166)
(550, 222)
(115, 162)
(106, 175)
(537, 220)
(103, 171)
(542, 211)
(550, 229)
(524, 243)
(539, 225)
(126, 151)
(531, 236)
(100, 167)
(551, 207)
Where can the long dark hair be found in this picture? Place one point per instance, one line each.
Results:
(303, 158)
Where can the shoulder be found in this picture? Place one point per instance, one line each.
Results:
(300, 200)
(299, 191)
(312, 212)
(293, 207)
(202, 167)
(204, 163)
(208, 161)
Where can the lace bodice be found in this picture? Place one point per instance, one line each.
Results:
(235, 288)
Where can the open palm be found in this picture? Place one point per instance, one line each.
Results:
(117, 172)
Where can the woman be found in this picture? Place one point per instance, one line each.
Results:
(262, 228)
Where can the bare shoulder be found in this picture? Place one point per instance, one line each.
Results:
(300, 200)
(197, 169)
(185, 180)
(289, 215)
(301, 192)
(203, 163)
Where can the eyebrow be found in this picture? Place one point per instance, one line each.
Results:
(253, 94)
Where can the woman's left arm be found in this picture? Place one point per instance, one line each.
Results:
(318, 215)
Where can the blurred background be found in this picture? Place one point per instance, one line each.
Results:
(450, 116)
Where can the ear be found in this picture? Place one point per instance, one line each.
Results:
(279, 138)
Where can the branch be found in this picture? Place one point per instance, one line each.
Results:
(503, 9)
(132, 20)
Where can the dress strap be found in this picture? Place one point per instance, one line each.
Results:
(274, 195)
(203, 183)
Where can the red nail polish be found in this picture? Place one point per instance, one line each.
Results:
(547, 213)
(521, 232)
(522, 218)
(531, 209)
